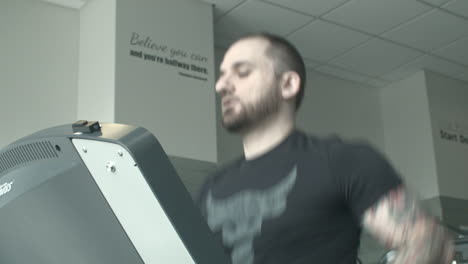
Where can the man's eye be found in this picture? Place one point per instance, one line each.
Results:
(243, 73)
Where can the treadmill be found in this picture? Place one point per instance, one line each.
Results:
(98, 193)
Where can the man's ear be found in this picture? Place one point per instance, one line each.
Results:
(290, 84)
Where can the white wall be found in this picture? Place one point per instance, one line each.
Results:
(229, 145)
(96, 83)
(38, 67)
(321, 113)
(408, 133)
(448, 100)
(344, 108)
(179, 110)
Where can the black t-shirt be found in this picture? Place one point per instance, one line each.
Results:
(301, 202)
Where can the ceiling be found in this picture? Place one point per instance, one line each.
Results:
(374, 42)
(75, 4)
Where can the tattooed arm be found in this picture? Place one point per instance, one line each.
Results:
(400, 224)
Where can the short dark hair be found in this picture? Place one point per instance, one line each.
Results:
(285, 56)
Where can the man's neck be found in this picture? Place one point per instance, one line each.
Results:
(266, 136)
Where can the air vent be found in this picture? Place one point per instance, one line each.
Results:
(26, 153)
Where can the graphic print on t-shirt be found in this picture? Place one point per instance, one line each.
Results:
(241, 215)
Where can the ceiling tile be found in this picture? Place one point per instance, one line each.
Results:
(311, 64)
(322, 41)
(315, 7)
(459, 7)
(376, 16)
(342, 73)
(430, 31)
(254, 16)
(435, 2)
(376, 57)
(376, 82)
(424, 62)
(456, 51)
(75, 4)
(463, 76)
(221, 7)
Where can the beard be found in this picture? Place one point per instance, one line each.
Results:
(251, 114)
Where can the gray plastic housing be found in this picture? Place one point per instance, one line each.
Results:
(52, 210)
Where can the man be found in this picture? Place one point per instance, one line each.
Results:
(294, 198)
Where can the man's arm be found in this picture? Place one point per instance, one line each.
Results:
(400, 224)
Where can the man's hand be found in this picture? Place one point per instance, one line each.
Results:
(400, 224)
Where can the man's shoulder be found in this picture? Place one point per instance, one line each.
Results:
(309, 141)
(335, 146)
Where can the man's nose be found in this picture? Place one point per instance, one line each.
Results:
(224, 85)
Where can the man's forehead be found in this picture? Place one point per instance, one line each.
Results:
(245, 51)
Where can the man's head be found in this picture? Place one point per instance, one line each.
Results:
(261, 75)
